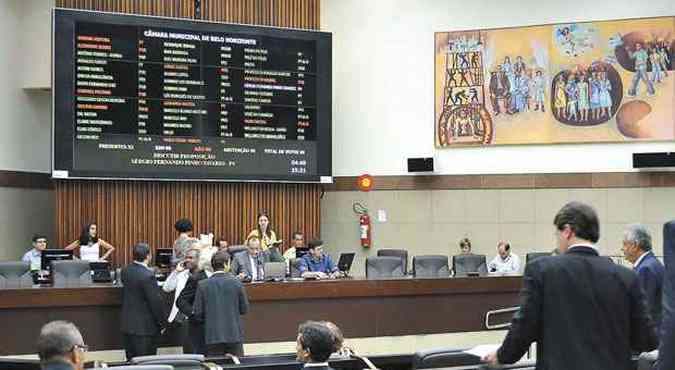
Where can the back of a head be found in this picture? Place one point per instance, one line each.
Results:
(141, 251)
(314, 243)
(183, 225)
(219, 260)
(57, 339)
(317, 339)
(581, 218)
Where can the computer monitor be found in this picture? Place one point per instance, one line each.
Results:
(163, 257)
(50, 255)
(345, 262)
(100, 272)
(301, 251)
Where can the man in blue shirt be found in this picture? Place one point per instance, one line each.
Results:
(316, 263)
(34, 256)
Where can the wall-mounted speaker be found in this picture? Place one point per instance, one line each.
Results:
(420, 165)
(650, 160)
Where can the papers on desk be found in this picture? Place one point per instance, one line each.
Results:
(483, 350)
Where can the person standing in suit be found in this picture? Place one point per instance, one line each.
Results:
(249, 266)
(61, 347)
(185, 303)
(175, 283)
(314, 345)
(220, 302)
(584, 311)
(667, 348)
(143, 316)
(637, 248)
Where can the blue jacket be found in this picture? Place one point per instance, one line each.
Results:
(650, 274)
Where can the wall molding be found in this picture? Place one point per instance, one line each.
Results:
(515, 181)
(26, 179)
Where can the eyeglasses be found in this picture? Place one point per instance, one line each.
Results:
(82, 347)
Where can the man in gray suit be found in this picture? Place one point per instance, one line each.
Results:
(220, 302)
(249, 266)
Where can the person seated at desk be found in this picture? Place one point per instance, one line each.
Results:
(267, 236)
(249, 266)
(298, 241)
(465, 246)
(316, 263)
(90, 245)
(504, 262)
(222, 244)
(34, 256)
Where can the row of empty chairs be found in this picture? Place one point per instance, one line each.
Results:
(64, 274)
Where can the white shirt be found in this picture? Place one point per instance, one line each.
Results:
(90, 252)
(254, 267)
(584, 245)
(34, 257)
(316, 364)
(510, 265)
(175, 282)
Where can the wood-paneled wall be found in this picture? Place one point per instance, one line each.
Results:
(130, 211)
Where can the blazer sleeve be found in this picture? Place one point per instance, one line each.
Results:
(643, 336)
(302, 266)
(236, 266)
(526, 323)
(243, 300)
(666, 352)
(649, 284)
(200, 303)
(152, 296)
(186, 299)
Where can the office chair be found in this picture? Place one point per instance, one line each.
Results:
(175, 360)
(71, 273)
(15, 274)
(442, 358)
(294, 265)
(384, 267)
(534, 255)
(432, 266)
(402, 253)
(138, 367)
(236, 249)
(465, 264)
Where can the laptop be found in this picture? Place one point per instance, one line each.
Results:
(345, 262)
(275, 271)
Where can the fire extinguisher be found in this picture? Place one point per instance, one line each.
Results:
(364, 225)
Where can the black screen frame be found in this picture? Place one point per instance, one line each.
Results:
(63, 46)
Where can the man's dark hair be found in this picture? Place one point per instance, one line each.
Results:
(314, 243)
(318, 339)
(141, 251)
(38, 236)
(296, 233)
(183, 225)
(581, 218)
(57, 339)
(219, 260)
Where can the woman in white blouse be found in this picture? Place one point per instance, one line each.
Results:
(90, 245)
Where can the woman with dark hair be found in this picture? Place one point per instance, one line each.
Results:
(267, 236)
(90, 244)
(185, 240)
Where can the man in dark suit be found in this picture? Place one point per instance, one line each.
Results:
(185, 303)
(220, 302)
(314, 345)
(584, 311)
(143, 316)
(249, 266)
(61, 347)
(667, 348)
(637, 248)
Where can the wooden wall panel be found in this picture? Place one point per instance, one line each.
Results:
(131, 211)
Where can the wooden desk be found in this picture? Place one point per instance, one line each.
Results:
(362, 308)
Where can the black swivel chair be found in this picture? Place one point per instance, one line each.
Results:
(15, 274)
(384, 267)
(469, 264)
(71, 273)
(442, 358)
(402, 253)
(534, 255)
(433, 266)
(294, 267)
(175, 361)
(141, 367)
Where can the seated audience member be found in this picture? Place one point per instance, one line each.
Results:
(637, 248)
(465, 246)
(316, 263)
(314, 345)
(34, 256)
(176, 283)
(90, 245)
(249, 266)
(298, 241)
(222, 244)
(184, 240)
(61, 347)
(339, 349)
(219, 304)
(504, 262)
